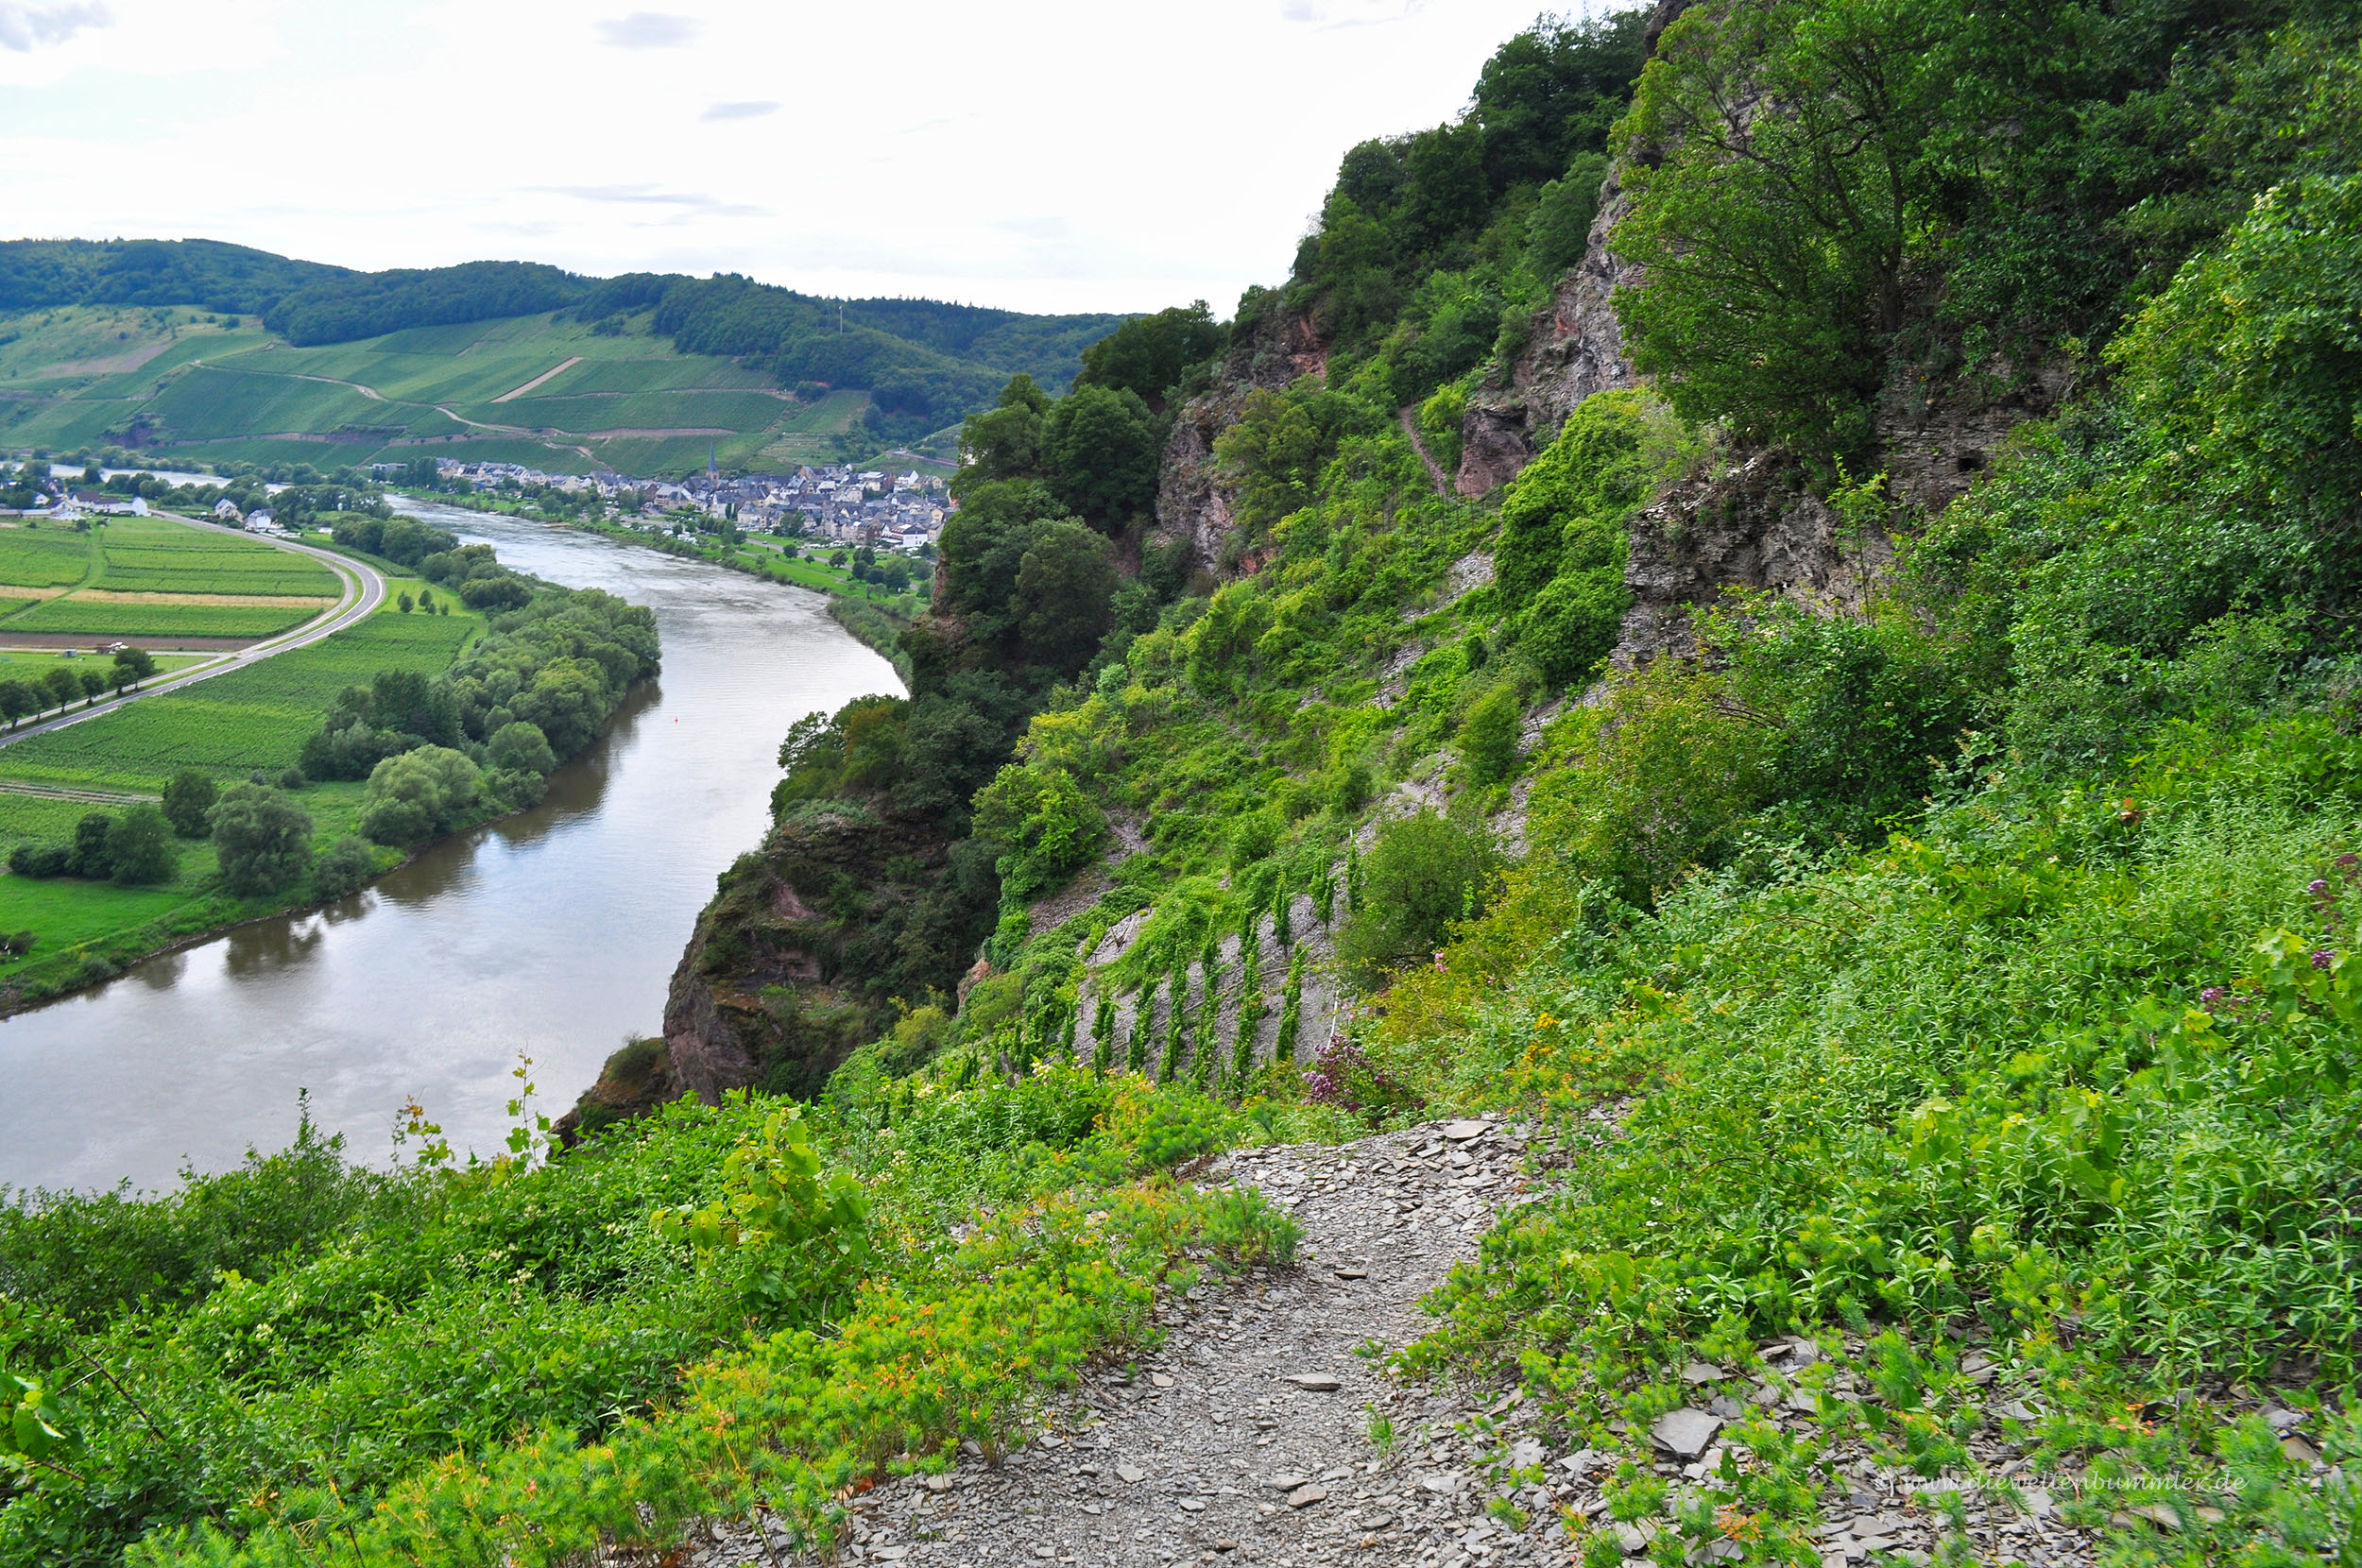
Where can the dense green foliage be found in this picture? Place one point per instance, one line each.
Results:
(371, 304)
(150, 272)
(558, 665)
(1823, 199)
(302, 1342)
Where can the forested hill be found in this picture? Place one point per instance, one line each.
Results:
(864, 373)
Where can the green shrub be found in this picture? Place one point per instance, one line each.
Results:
(347, 868)
(418, 794)
(1423, 875)
(1047, 825)
(1489, 736)
(262, 840)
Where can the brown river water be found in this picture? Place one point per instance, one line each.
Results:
(553, 934)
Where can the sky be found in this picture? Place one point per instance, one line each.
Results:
(1048, 155)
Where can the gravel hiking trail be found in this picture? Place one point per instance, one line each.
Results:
(1246, 1435)
(1253, 1435)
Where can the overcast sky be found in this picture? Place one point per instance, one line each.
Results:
(1050, 155)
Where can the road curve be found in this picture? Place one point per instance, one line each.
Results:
(364, 590)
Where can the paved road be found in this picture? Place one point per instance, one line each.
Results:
(364, 590)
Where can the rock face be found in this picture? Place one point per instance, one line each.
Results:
(1573, 348)
(1192, 502)
(779, 983)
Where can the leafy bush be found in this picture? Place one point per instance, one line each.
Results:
(1659, 777)
(419, 794)
(1048, 828)
(1423, 875)
(347, 868)
(262, 840)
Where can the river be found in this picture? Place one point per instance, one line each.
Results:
(553, 934)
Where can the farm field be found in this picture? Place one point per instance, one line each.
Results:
(250, 718)
(155, 577)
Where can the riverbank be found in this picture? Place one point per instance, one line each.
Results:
(264, 724)
(876, 618)
(554, 931)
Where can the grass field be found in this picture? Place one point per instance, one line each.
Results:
(28, 663)
(250, 719)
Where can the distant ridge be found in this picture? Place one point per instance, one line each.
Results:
(920, 364)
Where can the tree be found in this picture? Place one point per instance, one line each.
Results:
(1771, 210)
(94, 687)
(1065, 582)
(141, 849)
(262, 839)
(64, 685)
(91, 856)
(189, 797)
(132, 666)
(1100, 448)
(1149, 354)
(1004, 442)
(518, 745)
(418, 794)
(17, 699)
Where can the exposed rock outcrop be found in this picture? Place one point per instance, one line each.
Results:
(1573, 348)
(1192, 500)
(782, 977)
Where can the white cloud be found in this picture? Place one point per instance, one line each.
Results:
(1044, 154)
(648, 30)
(25, 28)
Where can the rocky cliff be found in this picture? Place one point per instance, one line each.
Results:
(799, 957)
(1194, 502)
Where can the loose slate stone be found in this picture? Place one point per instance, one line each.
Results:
(1319, 1383)
(1685, 1432)
(1289, 1482)
(1703, 1371)
(1462, 1132)
(1162, 1380)
(1308, 1495)
(1131, 1474)
(1193, 1505)
(1345, 1271)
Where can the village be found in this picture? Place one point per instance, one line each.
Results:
(836, 502)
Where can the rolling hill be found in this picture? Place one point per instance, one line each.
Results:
(193, 350)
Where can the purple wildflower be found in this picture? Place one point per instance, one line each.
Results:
(2322, 956)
